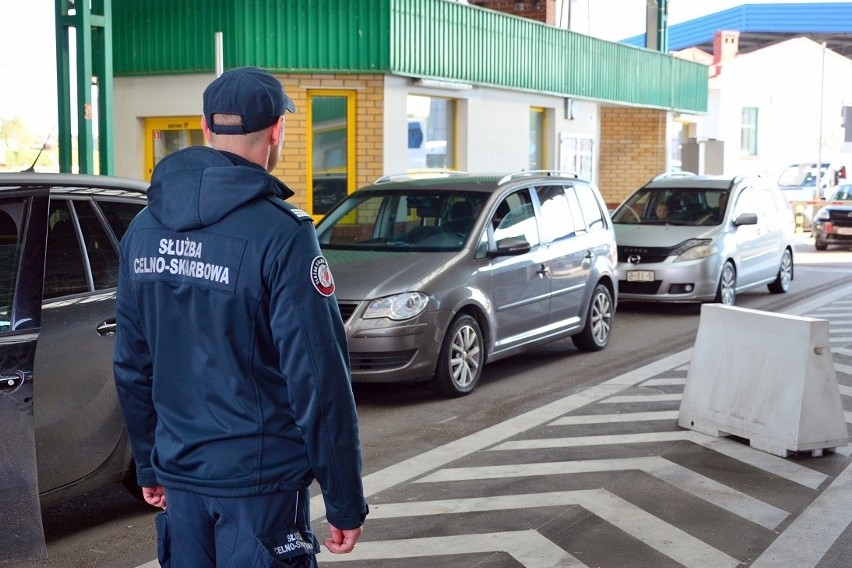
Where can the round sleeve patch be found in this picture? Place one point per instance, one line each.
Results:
(321, 276)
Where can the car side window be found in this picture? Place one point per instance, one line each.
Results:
(9, 261)
(515, 217)
(747, 202)
(576, 213)
(590, 207)
(64, 270)
(103, 258)
(119, 214)
(556, 220)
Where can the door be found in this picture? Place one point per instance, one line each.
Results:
(754, 243)
(22, 242)
(521, 281)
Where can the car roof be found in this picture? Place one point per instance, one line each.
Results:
(74, 183)
(450, 181)
(693, 181)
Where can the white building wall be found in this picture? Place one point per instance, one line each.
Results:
(493, 126)
(138, 98)
(783, 82)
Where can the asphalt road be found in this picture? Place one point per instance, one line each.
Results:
(401, 423)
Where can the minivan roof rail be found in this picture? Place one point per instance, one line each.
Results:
(673, 174)
(528, 173)
(417, 174)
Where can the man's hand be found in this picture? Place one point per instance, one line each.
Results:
(155, 496)
(342, 541)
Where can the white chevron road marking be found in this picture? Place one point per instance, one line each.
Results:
(641, 525)
(685, 479)
(529, 548)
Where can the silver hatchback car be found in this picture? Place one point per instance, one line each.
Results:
(437, 276)
(688, 238)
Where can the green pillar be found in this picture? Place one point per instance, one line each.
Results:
(657, 25)
(93, 43)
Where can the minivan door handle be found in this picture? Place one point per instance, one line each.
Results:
(543, 271)
(106, 327)
(588, 257)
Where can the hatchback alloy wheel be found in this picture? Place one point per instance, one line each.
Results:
(781, 284)
(460, 362)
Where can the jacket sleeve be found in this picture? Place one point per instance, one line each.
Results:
(308, 331)
(133, 369)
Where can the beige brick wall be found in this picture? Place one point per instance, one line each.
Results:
(292, 167)
(632, 150)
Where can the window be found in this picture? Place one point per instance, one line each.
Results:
(556, 220)
(332, 147)
(165, 136)
(64, 271)
(103, 258)
(9, 259)
(431, 133)
(575, 155)
(119, 214)
(748, 134)
(515, 217)
(536, 156)
(592, 213)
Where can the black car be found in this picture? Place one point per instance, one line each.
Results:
(59, 237)
(833, 223)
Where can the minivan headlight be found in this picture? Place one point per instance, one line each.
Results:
(398, 307)
(694, 249)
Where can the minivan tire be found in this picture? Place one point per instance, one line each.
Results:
(598, 329)
(726, 293)
(462, 355)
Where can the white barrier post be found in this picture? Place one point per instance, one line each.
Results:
(766, 377)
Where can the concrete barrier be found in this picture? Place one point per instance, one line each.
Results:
(766, 377)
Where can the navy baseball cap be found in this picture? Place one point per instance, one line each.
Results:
(250, 93)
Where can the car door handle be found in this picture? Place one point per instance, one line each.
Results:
(106, 327)
(543, 271)
(588, 257)
(10, 381)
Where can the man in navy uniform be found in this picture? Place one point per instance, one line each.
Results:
(231, 361)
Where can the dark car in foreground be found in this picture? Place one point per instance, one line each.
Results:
(436, 276)
(833, 222)
(59, 238)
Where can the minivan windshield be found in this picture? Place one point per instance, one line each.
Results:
(688, 206)
(801, 175)
(402, 220)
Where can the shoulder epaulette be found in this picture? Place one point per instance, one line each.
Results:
(298, 214)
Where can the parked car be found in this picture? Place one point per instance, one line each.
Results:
(721, 236)
(833, 223)
(59, 238)
(798, 184)
(437, 276)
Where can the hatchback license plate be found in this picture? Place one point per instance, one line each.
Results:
(843, 230)
(640, 275)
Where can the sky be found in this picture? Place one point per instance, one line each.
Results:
(28, 52)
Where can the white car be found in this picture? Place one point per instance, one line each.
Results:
(688, 238)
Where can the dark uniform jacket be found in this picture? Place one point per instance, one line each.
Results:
(231, 360)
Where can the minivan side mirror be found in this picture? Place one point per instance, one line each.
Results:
(511, 246)
(746, 219)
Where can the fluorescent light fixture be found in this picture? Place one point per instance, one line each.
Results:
(438, 84)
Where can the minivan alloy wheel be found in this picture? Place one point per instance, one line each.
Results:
(460, 361)
(727, 291)
(596, 332)
(781, 284)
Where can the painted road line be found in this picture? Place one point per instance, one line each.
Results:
(685, 479)
(529, 548)
(843, 368)
(809, 537)
(664, 382)
(767, 462)
(611, 418)
(438, 457)
(642, 398)
(842, 351)
(641, 525)
(840, 339)
(844, 390)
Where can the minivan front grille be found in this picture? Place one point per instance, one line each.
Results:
(644, 254)
(346, 309)
(625, 287)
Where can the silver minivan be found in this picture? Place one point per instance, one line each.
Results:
(437, 276)
(688, 238)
